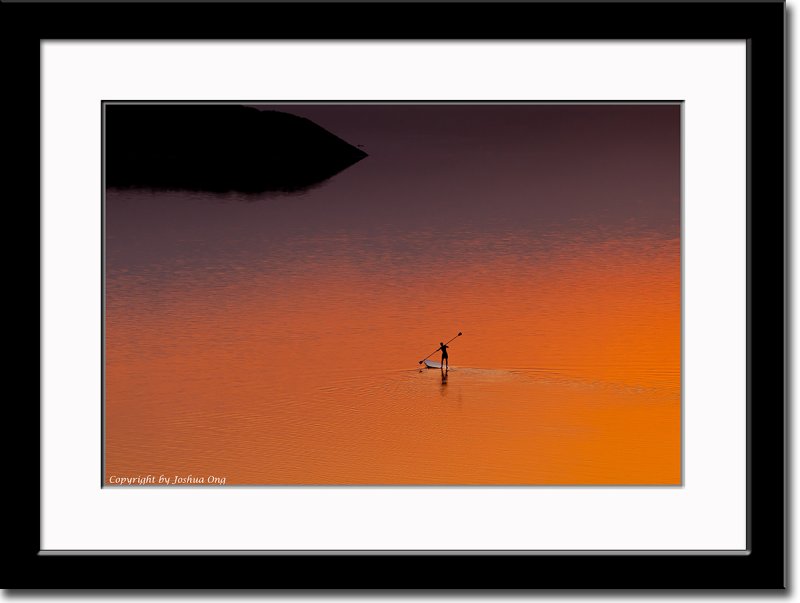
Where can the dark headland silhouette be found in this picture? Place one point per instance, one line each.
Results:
(219, 148)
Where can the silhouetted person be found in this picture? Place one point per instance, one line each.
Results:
(445, 363)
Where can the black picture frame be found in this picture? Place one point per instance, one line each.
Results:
(762, 24)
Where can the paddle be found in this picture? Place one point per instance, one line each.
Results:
(437, 349)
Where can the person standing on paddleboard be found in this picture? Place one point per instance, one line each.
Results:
(443, 347)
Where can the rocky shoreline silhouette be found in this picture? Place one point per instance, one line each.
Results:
(219, 148)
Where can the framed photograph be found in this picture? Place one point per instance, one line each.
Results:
(490, 292)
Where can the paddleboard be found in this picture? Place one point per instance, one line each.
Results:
(432, 364)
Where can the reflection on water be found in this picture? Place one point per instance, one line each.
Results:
(276, 340)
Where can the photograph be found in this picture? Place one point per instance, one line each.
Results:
(495, 285)
(392, 294)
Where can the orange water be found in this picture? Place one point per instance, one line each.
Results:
(263, 342)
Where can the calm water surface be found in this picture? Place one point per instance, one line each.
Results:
(274, 339)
